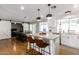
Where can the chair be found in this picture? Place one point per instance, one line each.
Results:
(31, 41)
(41, 44)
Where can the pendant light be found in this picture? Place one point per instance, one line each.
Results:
(68, 12)
(0, 19)
(38, 18)
(49, 16)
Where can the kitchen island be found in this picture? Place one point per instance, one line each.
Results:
(52, 40)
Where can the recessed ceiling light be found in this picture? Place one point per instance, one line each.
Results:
(22, 7)
(75, 6)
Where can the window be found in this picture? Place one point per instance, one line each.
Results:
(43, 27)
(33, 28)
(25, 27)
(29, 27)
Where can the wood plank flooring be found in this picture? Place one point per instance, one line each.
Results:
(65, 50)
(11, 47)
(14, 47)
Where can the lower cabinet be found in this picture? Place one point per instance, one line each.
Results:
(70, 40)
(65, 39)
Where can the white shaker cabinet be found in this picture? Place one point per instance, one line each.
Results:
(70, 40)
(77, 41)
(64, 39)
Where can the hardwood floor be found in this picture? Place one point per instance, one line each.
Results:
(65, 50)
(11, 46)
(14, 47)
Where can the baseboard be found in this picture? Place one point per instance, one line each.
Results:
(5, 39)
(70, 46)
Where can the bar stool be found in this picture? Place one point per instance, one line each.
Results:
(31, 41)
(41, 44)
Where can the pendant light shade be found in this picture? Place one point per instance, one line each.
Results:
(0, 19)
(49, 16)
(38, 18)
(68, 12)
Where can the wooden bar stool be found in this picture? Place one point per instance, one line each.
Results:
(41, 44)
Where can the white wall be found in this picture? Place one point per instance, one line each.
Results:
(5, 29)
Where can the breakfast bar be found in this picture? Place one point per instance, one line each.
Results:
(52, 40)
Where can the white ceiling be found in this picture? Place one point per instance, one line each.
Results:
(13, 11)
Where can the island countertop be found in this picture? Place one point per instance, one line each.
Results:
(49, 36)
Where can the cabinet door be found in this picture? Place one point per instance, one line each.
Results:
(65, 39)
(77, 43)
(74, 41)
(62, 39)
(70, 40)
